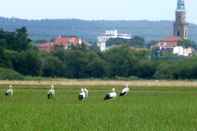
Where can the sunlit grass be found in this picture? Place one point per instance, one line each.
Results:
(144, 109)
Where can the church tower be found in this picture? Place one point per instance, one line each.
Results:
(180, 25)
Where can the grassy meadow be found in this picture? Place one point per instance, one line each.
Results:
(144, 109)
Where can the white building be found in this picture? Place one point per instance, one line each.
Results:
(180, 51)
(110, 34)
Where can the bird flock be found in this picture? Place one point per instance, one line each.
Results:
(83, 94)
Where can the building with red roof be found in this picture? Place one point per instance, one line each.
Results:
(169, 42)
(47, 46)
(63, 41)
(172, 44)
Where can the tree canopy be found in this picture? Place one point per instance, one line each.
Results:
(20, 57)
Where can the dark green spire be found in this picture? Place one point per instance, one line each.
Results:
(180, 5)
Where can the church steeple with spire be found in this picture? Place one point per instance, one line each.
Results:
(180, 25)
(181, 5)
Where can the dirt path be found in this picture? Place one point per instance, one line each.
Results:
(104, 83)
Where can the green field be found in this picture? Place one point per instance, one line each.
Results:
(144, 109)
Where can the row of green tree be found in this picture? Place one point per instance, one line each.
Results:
(19, 58)
(136, 42)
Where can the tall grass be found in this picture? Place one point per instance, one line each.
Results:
(144, 109)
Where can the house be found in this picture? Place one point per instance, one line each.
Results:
(46, 47)
(172, 44)
(110, 34)
(168, 43)
(64, 41)
(181, 51)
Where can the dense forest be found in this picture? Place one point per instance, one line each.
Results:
(19, 59)
(89, 30)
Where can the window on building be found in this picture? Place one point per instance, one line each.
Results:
(178, 33)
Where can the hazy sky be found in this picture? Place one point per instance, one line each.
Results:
(96, 9)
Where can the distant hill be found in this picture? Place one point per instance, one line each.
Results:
(89, 30)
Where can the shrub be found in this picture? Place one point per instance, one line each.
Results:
(8, 74)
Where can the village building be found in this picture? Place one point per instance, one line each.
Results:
(168, 43)
(45, 47)
(181, 51)
(110, 34)
(180, 24)
(60, 41)
(180, 32)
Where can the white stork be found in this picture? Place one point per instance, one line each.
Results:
(82, 95)
(86, 92)
(111, 95)
(125, 90)
(9, 91)
(51, 92)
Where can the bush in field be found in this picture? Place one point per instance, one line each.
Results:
(8, 74)
(97, 67)
(122, 60)
(52, 67)
(180, 69)
(165, 71)
(28, 63)
(80, 62)
(145, 69)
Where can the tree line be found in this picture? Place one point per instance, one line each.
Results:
(20, 58)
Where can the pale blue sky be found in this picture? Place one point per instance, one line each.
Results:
(96, 9)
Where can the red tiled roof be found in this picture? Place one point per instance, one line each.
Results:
(46, 46)
(65, 40)
(169, 42)
(171, 39)
(59, 41)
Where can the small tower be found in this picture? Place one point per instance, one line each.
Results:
(180, 25)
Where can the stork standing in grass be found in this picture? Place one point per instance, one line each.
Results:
(111, 95)
(125, 90)
(86, 92)
(51, 92)
(9, 91)
(82, 95)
